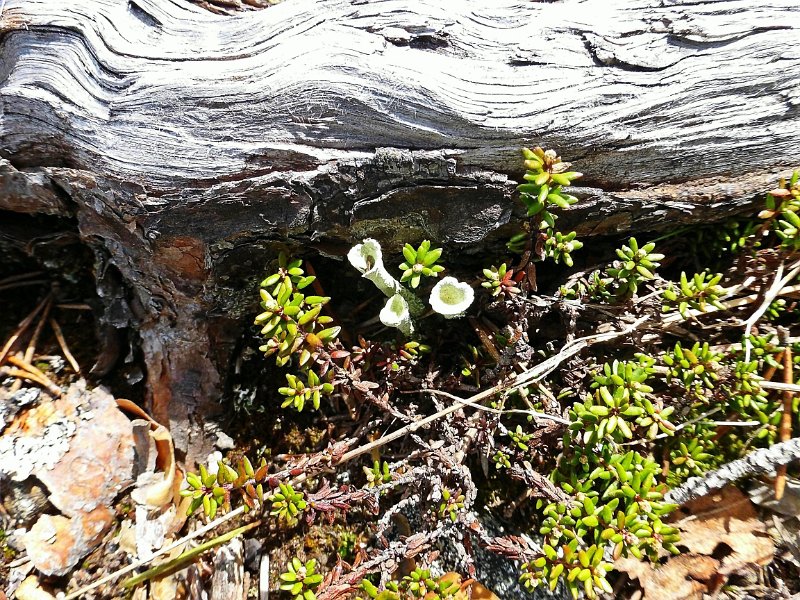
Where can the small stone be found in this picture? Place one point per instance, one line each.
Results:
(55, 544)
(31, 590)
(224, 441)
(253, 549)
(99, 462)
(25, 501)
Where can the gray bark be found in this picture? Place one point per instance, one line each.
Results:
(184, 142)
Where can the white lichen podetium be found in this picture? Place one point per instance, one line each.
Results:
(402, 305)
(449, 297)
(396, 314)
(367, 257)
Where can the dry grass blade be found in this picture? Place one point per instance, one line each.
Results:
(28, 371)
(64, 348)
(80, 593)
(26, 322)
(31, 349)
(181, 561)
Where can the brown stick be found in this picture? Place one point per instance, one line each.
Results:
(770, 372)
(26, 322)
(786, 420)
(64, 348)
(74, 306)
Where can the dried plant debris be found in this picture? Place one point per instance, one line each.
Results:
(722, 536)
(80, 447)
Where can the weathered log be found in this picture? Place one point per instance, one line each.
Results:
(183, 140)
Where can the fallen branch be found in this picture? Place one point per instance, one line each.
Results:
(764, 460)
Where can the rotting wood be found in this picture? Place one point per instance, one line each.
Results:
(182, 141)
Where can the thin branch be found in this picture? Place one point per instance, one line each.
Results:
(497, 411)
(74, 306)
(773, 292)
(774, 385)
(786, 419)
(763, 460)
(533, 374)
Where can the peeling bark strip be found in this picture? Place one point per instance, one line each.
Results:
(182, 140)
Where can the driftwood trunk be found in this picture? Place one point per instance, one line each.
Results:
(180, 143)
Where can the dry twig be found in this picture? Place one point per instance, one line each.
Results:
(786, 420)
(31, 349)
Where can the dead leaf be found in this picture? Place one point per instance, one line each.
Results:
(725, 525)
(684, 577)
(154, 490)
(30, 590)
(721, 535)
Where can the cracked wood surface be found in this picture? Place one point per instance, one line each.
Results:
(183, 141)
